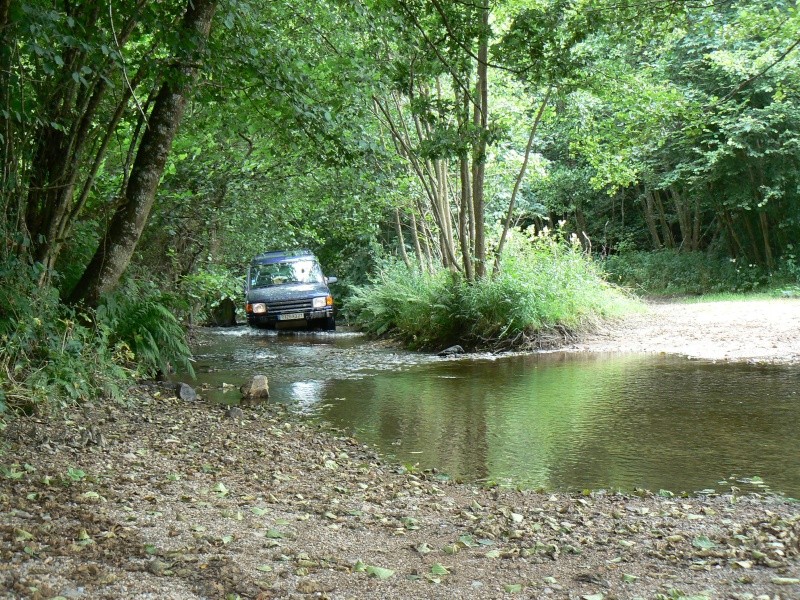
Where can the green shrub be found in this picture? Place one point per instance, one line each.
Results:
(669, 272)
(50, 354)
(205, 290)
(139, 316)
(544, 284)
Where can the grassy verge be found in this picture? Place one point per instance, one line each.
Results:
(546, 285)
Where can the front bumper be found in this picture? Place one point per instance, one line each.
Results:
(273, 319)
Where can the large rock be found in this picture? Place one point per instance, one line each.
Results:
(223, 314)
(185, 392)
(451, 351)
(256, 389)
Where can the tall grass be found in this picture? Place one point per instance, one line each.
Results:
(546, 288)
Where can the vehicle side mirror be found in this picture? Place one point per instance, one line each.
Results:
(331, 279)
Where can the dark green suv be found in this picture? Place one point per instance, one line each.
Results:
(286, 289)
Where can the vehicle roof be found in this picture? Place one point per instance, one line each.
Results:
(282, 256)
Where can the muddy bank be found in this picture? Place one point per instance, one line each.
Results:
(177, 500)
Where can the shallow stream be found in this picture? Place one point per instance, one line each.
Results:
(559, 421)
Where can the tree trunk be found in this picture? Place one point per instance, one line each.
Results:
(753, 238)
(463, 219)
(401, 242)
(696, 224)
(518, 182)
(417, 247)
(666, 232)
(10, 208)
(647, 204)
(740, 251)
(126, 226)
(765, 235)
(481, 121)
(684, 219)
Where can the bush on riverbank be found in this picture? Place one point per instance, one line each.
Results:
(52, 354)
(673, 273)
(545, 285)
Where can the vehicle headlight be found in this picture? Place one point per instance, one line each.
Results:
(318, 302)
(259, 308)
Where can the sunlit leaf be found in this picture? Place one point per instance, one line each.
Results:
(422, 548)
(702, 542)
(378, 572)
(467, 541)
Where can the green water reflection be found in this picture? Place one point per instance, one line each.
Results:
(558, 421)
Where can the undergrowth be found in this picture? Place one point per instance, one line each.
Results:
(546, 285)
(674, 273)
(52, 354)
(142, 317)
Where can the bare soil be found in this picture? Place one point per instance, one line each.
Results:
(752, 331)
(166, 499)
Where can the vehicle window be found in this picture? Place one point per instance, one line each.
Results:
(299, 271)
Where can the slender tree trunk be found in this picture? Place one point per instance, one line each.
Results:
(762, 217)
(647, 204)
(753, 238)
(9, 197)
(696, 224)
(417, 247)
(401, 243)
(684, 218)
(119, 242)
(728, 219)
(463, 219)
(666, 232)
(481, 120)
(427, 243)
(518, 182)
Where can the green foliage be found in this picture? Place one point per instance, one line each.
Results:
(50, 354)
(545, 283)
(139, 316)
(669, 272)
(206, 289)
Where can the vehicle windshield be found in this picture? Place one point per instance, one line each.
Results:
(296, 271)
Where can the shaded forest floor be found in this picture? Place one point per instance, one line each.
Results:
(166, 499)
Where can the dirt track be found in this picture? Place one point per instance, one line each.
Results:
(756, 330)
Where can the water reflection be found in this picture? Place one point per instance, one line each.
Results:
(559, 421)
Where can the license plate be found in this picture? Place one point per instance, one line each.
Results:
(290, 317)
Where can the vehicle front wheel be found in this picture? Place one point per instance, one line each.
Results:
(330, 324)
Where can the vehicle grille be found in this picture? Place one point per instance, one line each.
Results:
(289, 306)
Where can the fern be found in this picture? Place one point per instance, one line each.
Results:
(140, 318)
